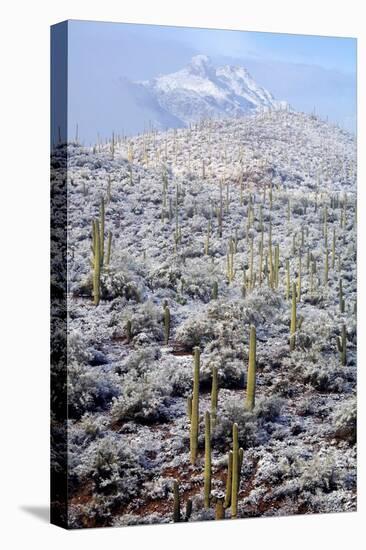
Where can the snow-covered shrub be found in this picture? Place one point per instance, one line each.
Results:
(145, 319)
(196, 330)
(233, 410)
(199, 276)
(116, 472)
(139, 360)
(268, 408)
(143, 398)
(251, 424)
(114, 284)
(344, 420)
(229, 362)
(77, 351)
(179, 377)
(167, 275)
(324, 378)
(89, 389)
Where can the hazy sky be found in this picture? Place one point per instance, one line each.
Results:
(307, 71)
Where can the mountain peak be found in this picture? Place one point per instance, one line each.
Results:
(201, 90)
(200, 65)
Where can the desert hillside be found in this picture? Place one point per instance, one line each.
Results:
(180, 245)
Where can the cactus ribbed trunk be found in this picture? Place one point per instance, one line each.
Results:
(342, 345)
(96, 262)
(166, 325)
(235, 473)
(207, 480)
(219, 508)
(227, 501)
(109, 248)
(293, 319)
(195, 406)
(189, 407)
(250, 400)
(214, 396)
(102, 224)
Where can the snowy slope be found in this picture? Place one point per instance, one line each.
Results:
(282, 173)
(200, 90)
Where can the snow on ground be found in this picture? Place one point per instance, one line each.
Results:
(128, 423)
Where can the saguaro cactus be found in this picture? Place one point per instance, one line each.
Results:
(207, 477)
(166, 324)
(219, 508)
(276, 265)
(299, 280)
(215, 291)
(341, 299)
(109, 248)
(176, 506)
(235, 473)
(250, 399)
(342, 345)
(96, 262)
(129, 331)
(214, 396)
(189, 407)
(287, 279)
(326, 267)
(293, 319)
(102, 224)
(229, 479)
(195, 406)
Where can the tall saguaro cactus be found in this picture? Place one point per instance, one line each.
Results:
(96, 262)
(207, 480)
(250, 400)
(293, 319)
(166, 324)
(235, 473)
(102, 224)
(109, 248)
(341, 299)
(214, 396)
(195, 406)
(342, 346)
(227, 501)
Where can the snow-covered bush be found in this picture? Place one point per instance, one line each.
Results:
(199, 276)
(89, 389)
(196, 330)
(145, 319)
(139, 360)
(344, 420)
(142, 398)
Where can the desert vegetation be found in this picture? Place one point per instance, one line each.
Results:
(212, 322)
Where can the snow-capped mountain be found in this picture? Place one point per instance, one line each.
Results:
(201, 90)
